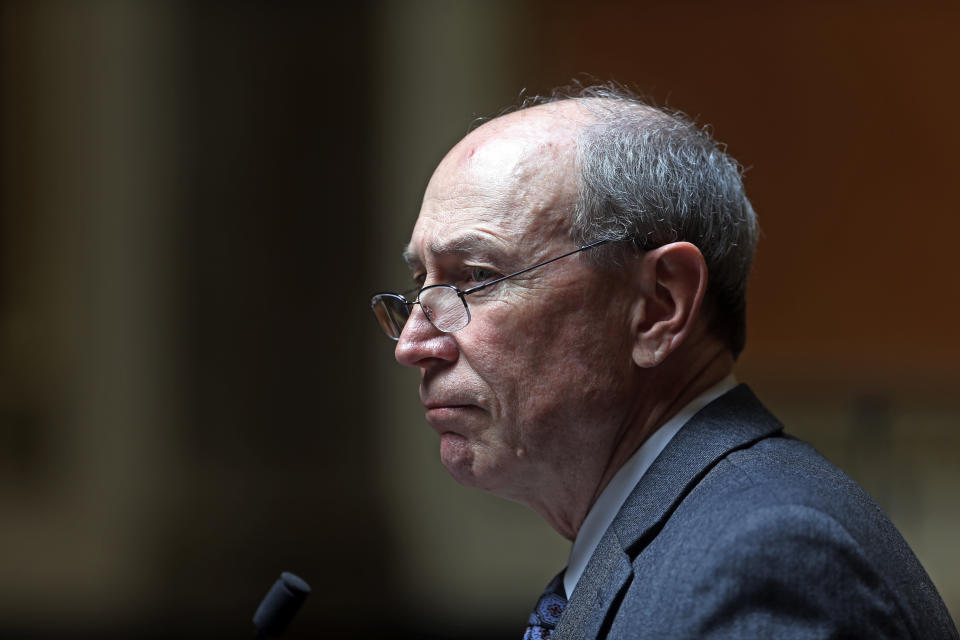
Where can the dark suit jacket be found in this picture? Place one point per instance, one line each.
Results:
(738, 531)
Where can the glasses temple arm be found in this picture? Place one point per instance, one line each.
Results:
(502, 278)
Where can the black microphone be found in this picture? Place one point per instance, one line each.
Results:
(280, 605)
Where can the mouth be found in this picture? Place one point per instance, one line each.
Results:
(441, 414)
(441, 408)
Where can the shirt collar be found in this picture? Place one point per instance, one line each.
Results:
(605, 509)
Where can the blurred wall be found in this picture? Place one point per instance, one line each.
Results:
(185, 188)
(197, 199)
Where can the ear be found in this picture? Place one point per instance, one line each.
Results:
(671, 281)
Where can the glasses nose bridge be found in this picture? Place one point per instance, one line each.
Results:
(414, 319)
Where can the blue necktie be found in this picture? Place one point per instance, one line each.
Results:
(547, 613)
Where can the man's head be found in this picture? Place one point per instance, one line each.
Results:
(649, 177)
(561, 371)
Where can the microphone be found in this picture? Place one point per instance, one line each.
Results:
(281, 603)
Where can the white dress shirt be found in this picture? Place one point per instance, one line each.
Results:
(605, 509)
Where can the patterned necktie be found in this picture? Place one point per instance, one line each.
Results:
(547, 613)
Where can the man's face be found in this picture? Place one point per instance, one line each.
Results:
(534, 386)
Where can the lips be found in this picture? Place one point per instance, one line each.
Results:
(445, 405)
(445, 400)
(445, 409)
(445, 414)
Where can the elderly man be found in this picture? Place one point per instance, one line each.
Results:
(581, 269)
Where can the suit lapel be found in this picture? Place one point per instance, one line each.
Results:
(733, 421)
(604, 579)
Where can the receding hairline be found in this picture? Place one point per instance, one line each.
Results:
(594, 106)
(538, 122)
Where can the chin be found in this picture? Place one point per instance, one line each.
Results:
(461, 462)
(457, 457)
(464, 476)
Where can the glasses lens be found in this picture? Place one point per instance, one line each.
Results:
(444, 308)
(392, 313)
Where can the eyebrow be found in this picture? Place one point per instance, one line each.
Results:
(470, 243)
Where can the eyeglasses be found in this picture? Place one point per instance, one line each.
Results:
(444, 305)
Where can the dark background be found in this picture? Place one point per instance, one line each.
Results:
(198, 198)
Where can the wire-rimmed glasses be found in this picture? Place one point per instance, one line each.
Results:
(444, 305)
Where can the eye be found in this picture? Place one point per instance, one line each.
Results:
(480, 274)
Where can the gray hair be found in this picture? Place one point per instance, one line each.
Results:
(651, 177)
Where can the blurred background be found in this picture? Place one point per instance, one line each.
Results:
(198, 198)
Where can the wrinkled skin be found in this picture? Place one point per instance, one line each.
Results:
(539, 399)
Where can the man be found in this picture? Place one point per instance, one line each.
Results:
(582, 267)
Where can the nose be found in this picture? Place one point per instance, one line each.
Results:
(421, 344)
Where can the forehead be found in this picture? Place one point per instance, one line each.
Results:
(509, 187)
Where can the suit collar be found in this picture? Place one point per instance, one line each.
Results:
(733, 421)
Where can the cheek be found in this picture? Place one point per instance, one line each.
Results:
(550, 363)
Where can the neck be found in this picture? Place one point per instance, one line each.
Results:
(667, 389)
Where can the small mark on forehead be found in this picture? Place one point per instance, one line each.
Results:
(469, 154)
